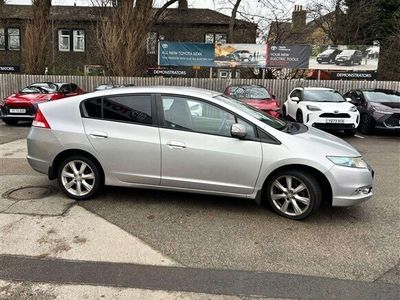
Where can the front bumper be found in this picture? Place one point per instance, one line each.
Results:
(325, 120)
(347, 183)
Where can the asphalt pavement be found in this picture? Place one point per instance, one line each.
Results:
(359, 245)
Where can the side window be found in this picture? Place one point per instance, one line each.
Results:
(66, 88)
(132, 108)
(197, 116)
(294, 94)
(92, 108)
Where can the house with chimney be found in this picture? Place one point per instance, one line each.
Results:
(74, 48)
(299, 30)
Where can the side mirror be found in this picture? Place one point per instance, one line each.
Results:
(238, 131)
(296, 99)
(349, 99)
(273, 96)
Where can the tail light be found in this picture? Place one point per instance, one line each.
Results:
(40, 120)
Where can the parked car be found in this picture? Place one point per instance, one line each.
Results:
(257, 96)
(322, 108)
(241, 55)
(349, 57)
(328, 56)
(379, 108)
(21, 106)
(148, 137)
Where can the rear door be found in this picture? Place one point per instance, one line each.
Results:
(122, 131)
(198, 151)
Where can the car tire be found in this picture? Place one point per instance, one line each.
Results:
(299, 117)
(350, 132)
(83, 183)
(366, 124)
(291, 204)
(284, 115)
(10, 122)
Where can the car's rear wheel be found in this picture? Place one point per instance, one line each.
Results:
(293, 194)
(10, 122)
(284, 115)
(299, 117)
(366, 124)
(79, 177)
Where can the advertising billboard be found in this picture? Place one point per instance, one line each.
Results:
(185, 54)
(288, 56)
(345, 57)
(240, 55)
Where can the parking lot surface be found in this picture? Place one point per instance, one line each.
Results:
(195, 231)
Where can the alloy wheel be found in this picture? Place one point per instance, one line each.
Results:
(78, 178)
(290, 195)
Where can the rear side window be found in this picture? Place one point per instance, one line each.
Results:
(132, 108)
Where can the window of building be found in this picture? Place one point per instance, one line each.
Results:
(152, 43)
(79, 40)
(13, 39)
(64, 40)
(2, 39)
(71, 39)
(217, 38)
(10, 39)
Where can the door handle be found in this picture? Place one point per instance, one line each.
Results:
(99, 135)
(176, 145)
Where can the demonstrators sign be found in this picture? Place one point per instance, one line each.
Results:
(288, 56)
(240, 55)
(9, 69)
(185, 54)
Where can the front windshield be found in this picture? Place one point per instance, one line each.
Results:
(40, 88)
(323, 96)
(383, 96)
(347, 52)
(254, 92)
(254, 112)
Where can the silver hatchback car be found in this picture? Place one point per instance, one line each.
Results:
(193, 140)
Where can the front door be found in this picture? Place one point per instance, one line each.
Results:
(120, 129)
(198, 151)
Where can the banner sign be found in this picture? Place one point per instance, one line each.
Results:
(345, 57)
(354, 75)
(241, 55)
(288, 56)
(167, 72)
(9, 69)
(185, 54)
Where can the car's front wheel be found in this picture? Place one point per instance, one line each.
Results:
(299, 117)
(293, 194)
(79, 177)
(366, 124)
(350, 132)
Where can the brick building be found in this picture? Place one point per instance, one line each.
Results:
(73, 42)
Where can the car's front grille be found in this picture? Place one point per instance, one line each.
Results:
(332, 115)
(393, 120)
(333, 126)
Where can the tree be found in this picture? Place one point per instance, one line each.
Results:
(232, 21)
(122, 33)
(36, 37)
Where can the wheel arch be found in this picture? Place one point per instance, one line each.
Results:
(69, 152)
(318, 175)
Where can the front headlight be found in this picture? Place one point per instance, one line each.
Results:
(313, 108)
(374, 109)
(353, 109)
(352, 162)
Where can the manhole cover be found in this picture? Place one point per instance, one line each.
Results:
(29, 193)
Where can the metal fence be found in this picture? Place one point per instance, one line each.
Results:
(10, 83)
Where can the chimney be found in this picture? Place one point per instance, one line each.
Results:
(182, 4)
(299, 18)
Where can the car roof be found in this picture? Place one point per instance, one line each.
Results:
(316, 88)
(188, 91)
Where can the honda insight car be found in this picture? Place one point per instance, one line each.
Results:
(148, 137)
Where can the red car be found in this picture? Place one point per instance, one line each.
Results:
(22, 105)
(256, 96)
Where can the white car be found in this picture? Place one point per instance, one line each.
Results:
(322, 108)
